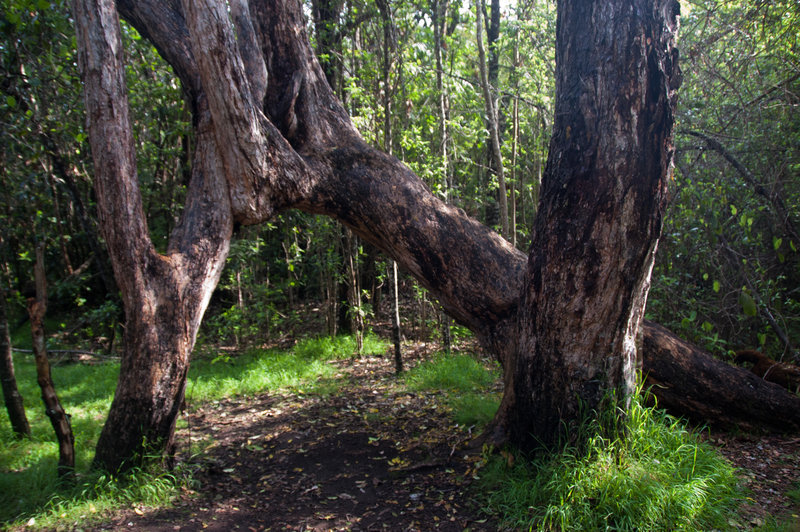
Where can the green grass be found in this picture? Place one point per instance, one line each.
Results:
(29, 488)
(453, 373)
(28, 482)
(467, 383)
(303, 368)
(661, 477)
(474, 409)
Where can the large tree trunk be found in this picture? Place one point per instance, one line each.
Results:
(291, 144)
(599, 218)
(164, 295)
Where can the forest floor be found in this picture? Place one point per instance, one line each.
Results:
(372, 456)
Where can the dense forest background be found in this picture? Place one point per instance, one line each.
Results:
(412, 77)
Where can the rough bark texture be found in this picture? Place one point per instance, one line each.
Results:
(37, 307)
(599, 219)
(296, 147)
(11, 395)
(164, 295)
(689, 382)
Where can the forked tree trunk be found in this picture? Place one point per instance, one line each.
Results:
(164, 295)
(291, 144)
(599, 218)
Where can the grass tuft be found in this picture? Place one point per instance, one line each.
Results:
(660, 477)
(452, 373)
(467, 383)
(97, 495)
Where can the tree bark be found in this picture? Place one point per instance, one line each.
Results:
(492, 119)
(689, 382)
(164, 295)
(11, 395)
(302, 151)
(59, 419)
(595, 235)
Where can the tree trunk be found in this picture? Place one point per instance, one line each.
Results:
(356, 316)
(325, 14)
(492, 119)
(689, 382)
(37, 307)
(595, 235)
(164, 295)
(11, 395)
(439, 14)
(396, 338)
(304, 152)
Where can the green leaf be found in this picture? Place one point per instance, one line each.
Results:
(11, 101)
(13, 18)
(716, 286)
(776, 243)
(734, 210)
(748, 304)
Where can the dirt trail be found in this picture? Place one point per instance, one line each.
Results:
(371, 457)
(367, 457)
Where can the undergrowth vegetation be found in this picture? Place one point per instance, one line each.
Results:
(660, 476)
(31, 494)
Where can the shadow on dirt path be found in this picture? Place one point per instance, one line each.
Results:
(370, 456)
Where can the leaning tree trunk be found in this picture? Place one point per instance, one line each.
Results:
(289, 143)
(59, 419)
(599, 218)
(11, 395)
(689, 382)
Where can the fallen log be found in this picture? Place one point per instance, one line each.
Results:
(687, 381)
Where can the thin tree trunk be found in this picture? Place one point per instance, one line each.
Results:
(354, 290)
(492, 121)
(439, 11)
(37, 307)
(11, 395)
(515, 136)
(396, 338)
